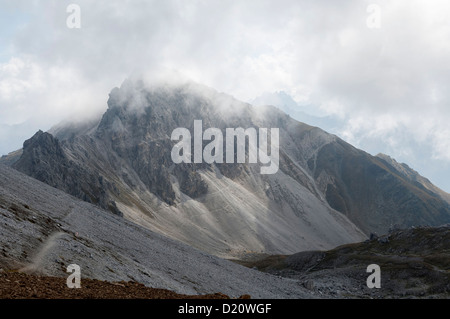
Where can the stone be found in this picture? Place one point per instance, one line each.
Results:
(309, 285)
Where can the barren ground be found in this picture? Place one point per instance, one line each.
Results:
(15, 285)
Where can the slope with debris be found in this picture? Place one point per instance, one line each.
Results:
(414, 263)
(43, 230)
(326, 192)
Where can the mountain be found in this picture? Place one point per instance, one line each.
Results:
(44, 230)
(414, 177)
(374, 194)
(399, 141)
(325, 193)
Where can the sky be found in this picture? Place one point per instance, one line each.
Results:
(382, 67)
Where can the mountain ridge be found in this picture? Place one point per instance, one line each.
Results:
(323, 194)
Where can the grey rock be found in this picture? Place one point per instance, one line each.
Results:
(127, 251)
(309, 285)
(326, 192)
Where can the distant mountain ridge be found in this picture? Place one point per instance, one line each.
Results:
(414, 176)
(400, 140)
(326, 192)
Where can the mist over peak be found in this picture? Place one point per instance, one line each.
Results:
(243, 129)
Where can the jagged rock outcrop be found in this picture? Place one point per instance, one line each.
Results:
(44, 159)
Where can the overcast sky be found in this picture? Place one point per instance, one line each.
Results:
(386, 77)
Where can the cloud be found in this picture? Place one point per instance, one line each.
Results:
(387, 82)
(30, 92)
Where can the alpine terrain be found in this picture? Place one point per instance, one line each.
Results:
(325, 193)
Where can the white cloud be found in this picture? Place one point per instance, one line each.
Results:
(388, 82)
(29, 92)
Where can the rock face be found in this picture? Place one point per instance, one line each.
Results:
(325, 193)
(373, 193)
(44, 159)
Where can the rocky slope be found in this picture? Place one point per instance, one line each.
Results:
(374, 194)
(415, 178)
(44, 230)
(325, 193)
(414, 263)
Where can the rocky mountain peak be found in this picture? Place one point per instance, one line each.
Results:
(325, 192)
(42, 142)
(45, 159)
(44, 150)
